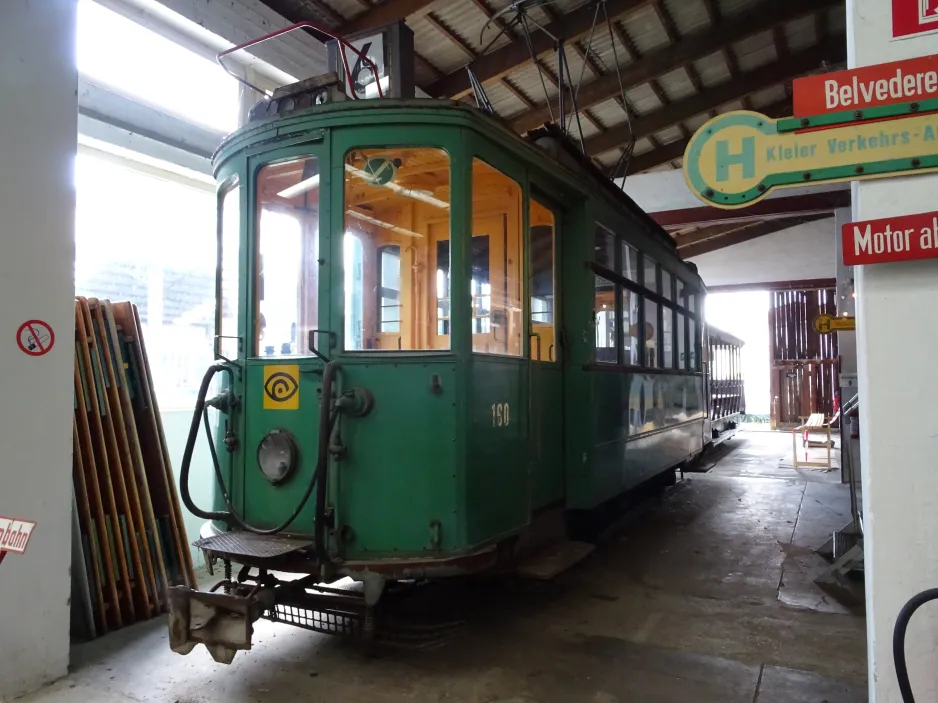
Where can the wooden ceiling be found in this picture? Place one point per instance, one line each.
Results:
(681, 61)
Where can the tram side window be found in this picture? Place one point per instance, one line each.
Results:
(287, 291)
(605, 248)
(667, 337)
(682, 360)
(543, 325)
(498, 250)
(693, 360)
(604, 315)
(629, 262)
(389, 288)
(229, 243)
(630, 303)
(397, 235)
(650, 273)
(651, 334)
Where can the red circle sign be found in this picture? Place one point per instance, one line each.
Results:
(35, 337)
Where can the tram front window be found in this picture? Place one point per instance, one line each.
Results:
(397, 253)
(286, 294)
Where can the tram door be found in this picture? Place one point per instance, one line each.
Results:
(546, 383)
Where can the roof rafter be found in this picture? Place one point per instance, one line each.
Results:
(833, 50)
(501, 61)
(385, 13)
(675, 150)
(682, 53)
(745, 234)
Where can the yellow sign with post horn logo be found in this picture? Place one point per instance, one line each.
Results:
(282, 387)
(735, 159)
(825, 324)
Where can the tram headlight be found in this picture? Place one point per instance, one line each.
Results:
(277, 455)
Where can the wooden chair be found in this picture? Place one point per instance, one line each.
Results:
(816, 423)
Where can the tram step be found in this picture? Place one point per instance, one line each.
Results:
(554, 560)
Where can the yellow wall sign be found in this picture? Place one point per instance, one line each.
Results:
(736, 158)
(282, 387)
(825, 324)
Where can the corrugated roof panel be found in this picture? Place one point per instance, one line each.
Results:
(589, 129)
(467, 21)
(431, 42)
(526, 78)
(346, 8)
(503, 100)
(730, 107)
(671, 134)
(755, 51)
(688, 15)
(642, 99)
(642, 146)
(768, 96)
(677, 84)
(610, 113)
(712, 69)
(661, 167)
(609, 159)
(696, 122)
(801, 33)
(646, 30)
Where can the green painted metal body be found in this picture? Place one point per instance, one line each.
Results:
(430, 473)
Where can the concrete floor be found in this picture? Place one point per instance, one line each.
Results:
(707, 595)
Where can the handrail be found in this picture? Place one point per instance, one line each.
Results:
(312, 25)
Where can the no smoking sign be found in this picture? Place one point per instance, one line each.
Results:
(35, 337)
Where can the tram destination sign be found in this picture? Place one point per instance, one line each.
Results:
(903, 238)
(737, 158)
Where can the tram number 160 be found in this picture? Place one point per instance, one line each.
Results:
(500, 415)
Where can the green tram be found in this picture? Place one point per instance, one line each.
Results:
(439, 347)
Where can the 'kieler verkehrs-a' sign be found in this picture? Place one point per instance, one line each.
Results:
(903, 238)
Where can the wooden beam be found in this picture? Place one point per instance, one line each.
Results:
(502, 61)
(385, 13)
(745, 234)
(690, 48)
(675, 150)
(704, 234)
(834, 50)
(802, 284)
(778, 207)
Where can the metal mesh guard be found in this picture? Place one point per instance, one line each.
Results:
(251, 545)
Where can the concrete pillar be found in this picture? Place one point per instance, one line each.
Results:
(897, 316)
(38, 82)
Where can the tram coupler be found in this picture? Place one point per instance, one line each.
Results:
(223, 623)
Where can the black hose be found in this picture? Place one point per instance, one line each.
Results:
(898, 640)
(327, 422)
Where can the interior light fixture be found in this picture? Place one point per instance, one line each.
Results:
(399, 189)
(381, 223)
(306, 184)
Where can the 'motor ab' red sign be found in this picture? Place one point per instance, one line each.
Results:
(871, 86)
(911, 17)
(904, 238)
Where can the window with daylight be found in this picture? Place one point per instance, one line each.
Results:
(604, 317)
(122, 55)
(543, 324)
(286, 304)
(498, 250)
(152, 240)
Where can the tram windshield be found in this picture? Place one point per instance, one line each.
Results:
(397, 249)
(287, 290)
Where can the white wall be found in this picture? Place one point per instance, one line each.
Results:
(802, 252)
(897, 332)
(38, 82)
(667, 190)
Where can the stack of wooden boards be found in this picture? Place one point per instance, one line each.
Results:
(131, 542)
